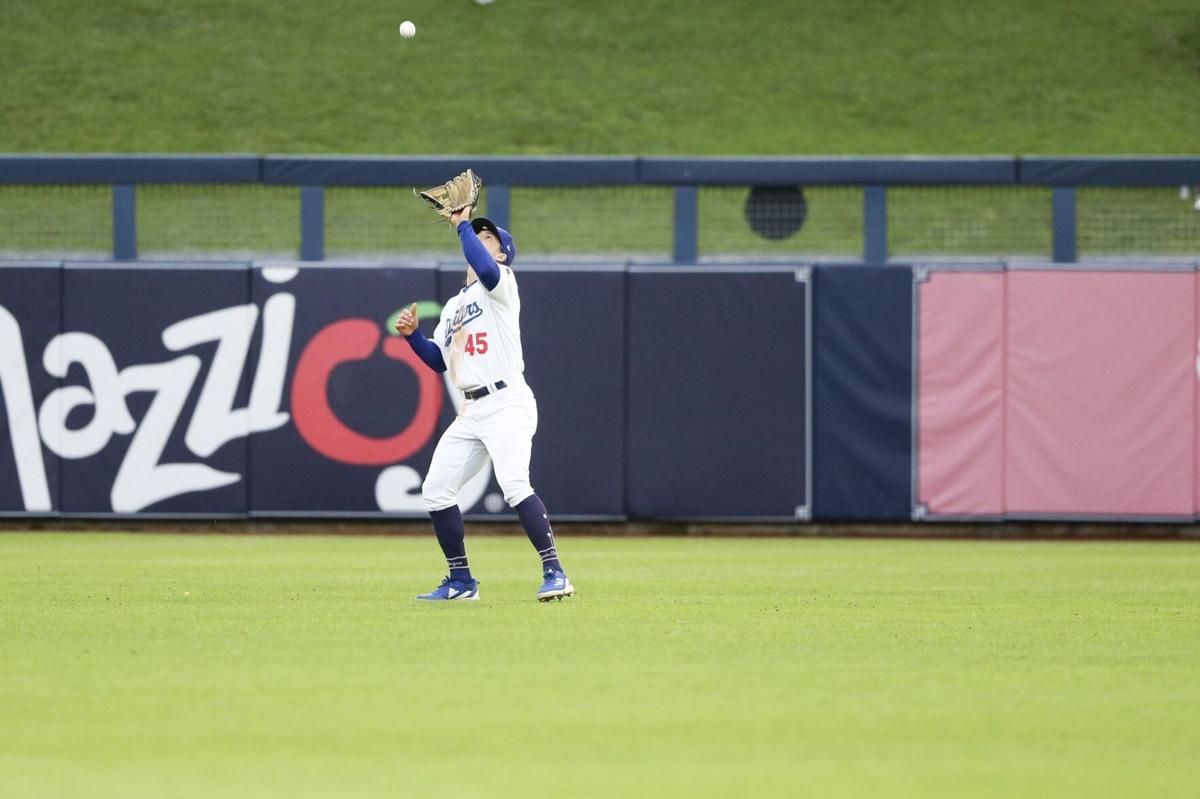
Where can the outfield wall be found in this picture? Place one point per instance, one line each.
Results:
(1054, 391)
(776, 392)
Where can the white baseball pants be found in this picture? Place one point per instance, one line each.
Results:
(498, 427)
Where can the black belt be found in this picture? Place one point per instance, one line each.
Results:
(476, 393)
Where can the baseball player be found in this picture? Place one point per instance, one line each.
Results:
(478, 340)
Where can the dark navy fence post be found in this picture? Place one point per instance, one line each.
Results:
(1064, 224)
(498, 198)
(875, 233)
(312, 223)
(686, 223)
(124, 221)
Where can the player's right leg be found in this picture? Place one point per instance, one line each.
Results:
(457, 458)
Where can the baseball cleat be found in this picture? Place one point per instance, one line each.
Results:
(555, 586)
(453, 590)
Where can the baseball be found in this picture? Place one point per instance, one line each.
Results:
(407, 29)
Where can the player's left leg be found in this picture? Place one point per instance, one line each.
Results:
(536, 521)
(508, 436)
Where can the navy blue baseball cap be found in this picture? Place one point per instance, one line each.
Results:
(482, 223)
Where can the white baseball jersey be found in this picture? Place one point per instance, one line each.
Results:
(479, 333)
(479, 336)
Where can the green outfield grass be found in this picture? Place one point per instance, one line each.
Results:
(617, 76)
(201, 666)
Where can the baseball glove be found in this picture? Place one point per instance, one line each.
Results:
(456, 194)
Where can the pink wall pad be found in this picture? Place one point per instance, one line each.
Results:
(960, 393)
(1100, 393)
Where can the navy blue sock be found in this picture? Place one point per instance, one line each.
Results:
(452, 537)
(537, 526)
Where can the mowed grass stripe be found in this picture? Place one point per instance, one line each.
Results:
(188, 665)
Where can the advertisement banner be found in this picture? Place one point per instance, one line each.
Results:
(220, 389)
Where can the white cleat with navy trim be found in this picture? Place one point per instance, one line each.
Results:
(555, 586)
(453, 590)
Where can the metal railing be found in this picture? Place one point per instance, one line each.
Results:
(1063, 177)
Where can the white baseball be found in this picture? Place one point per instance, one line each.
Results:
(407, 29)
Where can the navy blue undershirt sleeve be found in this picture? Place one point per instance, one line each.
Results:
(486, 268)
(426, 350)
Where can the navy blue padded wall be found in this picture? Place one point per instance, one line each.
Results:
(862, 393)
(717, 407)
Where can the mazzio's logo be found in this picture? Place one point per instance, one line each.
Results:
(356, 340)
(142, 478)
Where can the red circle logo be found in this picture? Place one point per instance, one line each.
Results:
(355, 340)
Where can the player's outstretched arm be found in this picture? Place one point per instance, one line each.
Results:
(485, 266)
(426, 350)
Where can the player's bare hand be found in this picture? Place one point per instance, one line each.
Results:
(461, 216)
(406, 323)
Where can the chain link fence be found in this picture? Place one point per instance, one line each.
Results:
(377, 222)
(635, 221)
(263, 221)
(217, 221)
(1152, 221)
(990, 221)
(50, 221)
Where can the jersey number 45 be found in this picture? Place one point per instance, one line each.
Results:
(476, 344)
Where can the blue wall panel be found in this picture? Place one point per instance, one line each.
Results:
(862, 393)
(717, 393)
